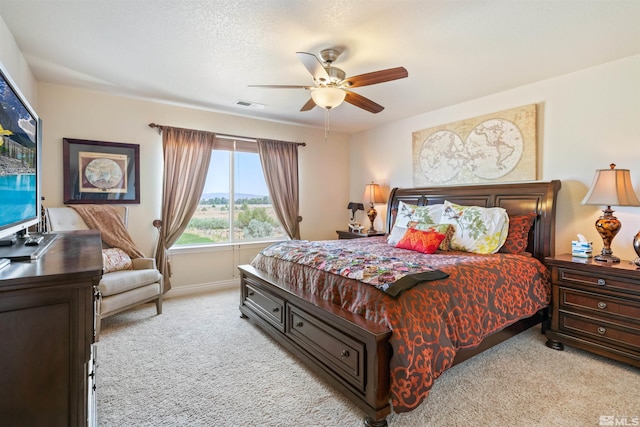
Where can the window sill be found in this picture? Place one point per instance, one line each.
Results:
(191, 249)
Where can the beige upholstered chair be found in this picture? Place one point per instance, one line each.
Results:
(118, 290)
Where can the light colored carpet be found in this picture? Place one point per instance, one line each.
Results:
(200, 364)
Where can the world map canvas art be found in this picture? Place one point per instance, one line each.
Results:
(497, 147)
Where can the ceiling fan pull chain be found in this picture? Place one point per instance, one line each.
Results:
(326, 124)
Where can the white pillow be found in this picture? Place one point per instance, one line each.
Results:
(411, 215)
(479, 230)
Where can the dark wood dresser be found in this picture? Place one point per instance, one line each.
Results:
(595, 307)
(47, 334)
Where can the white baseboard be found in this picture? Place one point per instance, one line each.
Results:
(199, 288)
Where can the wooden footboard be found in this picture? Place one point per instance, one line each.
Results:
(347, 351)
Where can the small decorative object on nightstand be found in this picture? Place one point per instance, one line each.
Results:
(353, 225)
(356, 227)
(595, 307)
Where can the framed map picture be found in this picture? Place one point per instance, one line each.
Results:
(500, 147)
(100, 172)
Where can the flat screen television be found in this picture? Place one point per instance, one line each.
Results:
(20, 150)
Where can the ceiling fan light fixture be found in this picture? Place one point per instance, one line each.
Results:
(328, 97)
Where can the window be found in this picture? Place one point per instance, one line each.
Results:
(247, 216)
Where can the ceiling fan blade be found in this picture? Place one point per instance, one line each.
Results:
(313, 64)
(282, 86)
(376, 77)
(362, 102)
(309, 105)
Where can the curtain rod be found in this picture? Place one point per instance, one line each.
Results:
(220, 135)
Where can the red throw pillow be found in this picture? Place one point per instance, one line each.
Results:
(422, 241)
(518, 237)
(446, 229)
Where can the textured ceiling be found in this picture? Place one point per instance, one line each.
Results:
(205, 53)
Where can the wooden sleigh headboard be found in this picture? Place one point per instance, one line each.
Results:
(516, 198)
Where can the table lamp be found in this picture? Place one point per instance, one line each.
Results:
(610, 187)
(372, 195)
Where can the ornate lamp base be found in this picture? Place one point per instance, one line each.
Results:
(607, 226)
(606, 258)
(372, 214)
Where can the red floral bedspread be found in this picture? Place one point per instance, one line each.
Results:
(433, 320)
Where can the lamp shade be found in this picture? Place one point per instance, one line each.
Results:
(372, 194)
(328, 97)
(611, 187)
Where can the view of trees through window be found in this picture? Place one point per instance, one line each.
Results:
(247, 216)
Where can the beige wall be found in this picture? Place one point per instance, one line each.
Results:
(587, 120)
(82, 114)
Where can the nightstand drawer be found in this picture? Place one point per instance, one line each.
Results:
(597, 281)
(571, 298)
(601, 330)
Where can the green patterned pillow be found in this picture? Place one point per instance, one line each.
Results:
(410, 216)
(478, 230)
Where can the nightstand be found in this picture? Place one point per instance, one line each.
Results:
(595, 306)
(351, 235)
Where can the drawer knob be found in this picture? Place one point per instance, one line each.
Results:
(299, 325)
(602, 282)
(602, 305)
(276, 309)
(601, 330)
(344, 354)
(251, 293)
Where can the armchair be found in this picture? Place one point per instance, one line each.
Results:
(117, 290)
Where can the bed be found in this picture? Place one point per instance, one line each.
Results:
(379, 348)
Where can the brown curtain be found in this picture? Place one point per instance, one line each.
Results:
(186, 162)
(280, 166)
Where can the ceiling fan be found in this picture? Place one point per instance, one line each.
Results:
(331, 87)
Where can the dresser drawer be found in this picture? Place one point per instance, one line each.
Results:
(598, 281)
(338, 352)
(576, 299)
(601, 329)
(268, 306)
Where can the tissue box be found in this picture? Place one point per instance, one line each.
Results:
(581, 249)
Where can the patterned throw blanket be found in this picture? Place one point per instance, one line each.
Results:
(106, 219)
(389, 274)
